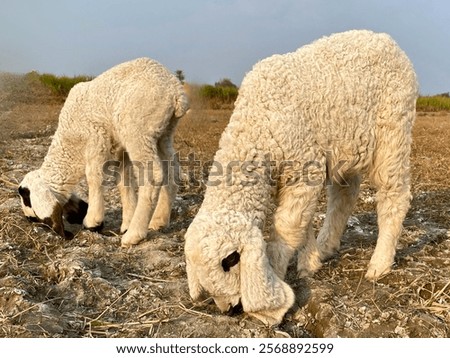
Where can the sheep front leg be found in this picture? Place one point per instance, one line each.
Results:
(292, 229)
(95, 213)
(161, 216)
(148, 193)
(341, 201)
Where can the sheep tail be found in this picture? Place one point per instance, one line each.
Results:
(181, 105)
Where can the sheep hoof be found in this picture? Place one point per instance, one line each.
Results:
(129, 239)
(328, 253)
(157, 224)
(96, 228)
(307, 266)
(235, 310)
(379, 265)
(125, 246)
(155, 227)
(374, 273)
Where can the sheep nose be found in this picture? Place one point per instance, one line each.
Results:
(236, 310)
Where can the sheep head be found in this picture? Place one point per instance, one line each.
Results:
(226, 259)
(40, 204)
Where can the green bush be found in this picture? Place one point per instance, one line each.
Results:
(209, 92)
(221, 95)
(60, 85)
(440, 102)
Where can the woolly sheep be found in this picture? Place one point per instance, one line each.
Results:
(128, 113)
(331, 111)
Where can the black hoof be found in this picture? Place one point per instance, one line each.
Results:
(236, 310)
(97, 228)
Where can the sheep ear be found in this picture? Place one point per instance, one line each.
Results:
(195, 289)
(55, 220)
(263, 294)
(75, 210)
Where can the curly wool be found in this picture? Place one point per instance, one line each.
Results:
(130, 113)
(331, 111)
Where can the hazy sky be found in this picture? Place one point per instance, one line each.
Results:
(210, 39)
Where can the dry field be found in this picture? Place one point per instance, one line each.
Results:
(90, 287)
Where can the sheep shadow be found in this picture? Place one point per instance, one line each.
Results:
(300, 286)
(433, 236)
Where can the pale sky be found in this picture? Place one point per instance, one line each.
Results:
(210, 39)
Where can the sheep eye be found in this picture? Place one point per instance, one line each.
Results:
(230, 261)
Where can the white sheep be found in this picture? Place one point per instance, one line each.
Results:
(128, 113)
(331, 111)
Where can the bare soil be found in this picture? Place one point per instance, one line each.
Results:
(90, 287)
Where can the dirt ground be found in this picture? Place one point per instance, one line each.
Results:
(90, 287)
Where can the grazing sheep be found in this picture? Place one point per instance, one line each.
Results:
(129, 113)
(333, 110)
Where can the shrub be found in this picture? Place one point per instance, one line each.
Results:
(440, 102)
(180, 75)
(59, 85)
(222, 94)
(225, 82)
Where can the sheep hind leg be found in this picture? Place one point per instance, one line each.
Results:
(390, 174)
(126, 184)
(341, 201)
(161, 215)
(292, 229)
(150, 174)
(391, 211)
(309, 260)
